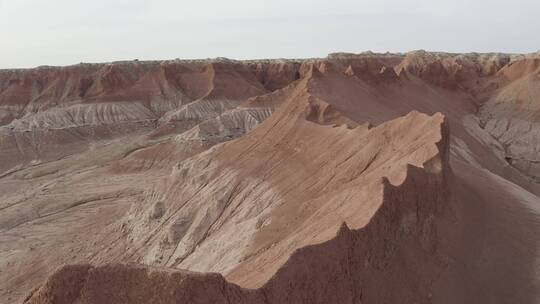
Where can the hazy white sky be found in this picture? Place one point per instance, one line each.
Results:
(61, 32)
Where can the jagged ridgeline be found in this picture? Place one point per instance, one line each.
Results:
(356, 178)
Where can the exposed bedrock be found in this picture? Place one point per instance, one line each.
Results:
(356, 178)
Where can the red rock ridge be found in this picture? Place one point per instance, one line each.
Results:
(397, 250)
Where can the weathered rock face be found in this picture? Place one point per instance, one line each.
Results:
(46, 107)
(512, 114)
(452, 70)
(369, 178)
(349, 267)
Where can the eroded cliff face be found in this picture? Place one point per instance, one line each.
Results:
(396, 248)
(353, 179)
(75, 106)
(512, 114)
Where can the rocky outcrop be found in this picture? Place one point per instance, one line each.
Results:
(452, 70)
(324, 162)
(47, 107)
(512, 114)
(397, 246)
(357, 178)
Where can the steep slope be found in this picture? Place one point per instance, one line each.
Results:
(90, 157)
(74, 106)
(381, 212)
(226, 181)
(505, 88)
(276, 181)
(512, 114)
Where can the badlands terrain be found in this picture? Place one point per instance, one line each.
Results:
(355, 178)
